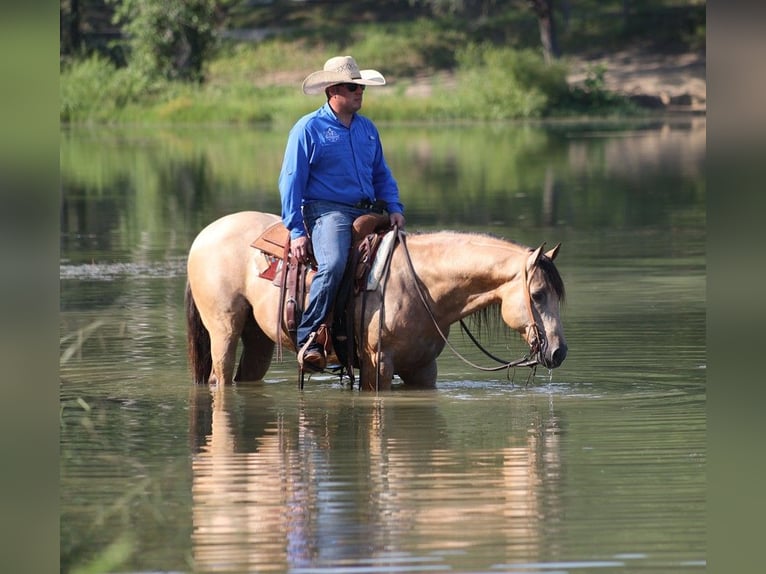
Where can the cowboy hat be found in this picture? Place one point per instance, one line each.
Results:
(341, 70)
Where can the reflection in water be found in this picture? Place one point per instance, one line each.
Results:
(512, 175)
(309, 487)
(488, 501)
(239, 521)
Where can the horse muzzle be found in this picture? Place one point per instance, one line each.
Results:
(550, 359)
(541, 351)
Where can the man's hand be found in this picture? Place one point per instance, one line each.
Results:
(396, 219)
(299, 248)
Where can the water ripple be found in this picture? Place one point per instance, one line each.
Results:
(109, 271)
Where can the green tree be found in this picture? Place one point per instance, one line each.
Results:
(169, 38)
(483, 9)
(462, 8)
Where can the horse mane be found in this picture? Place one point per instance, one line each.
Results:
(546, 265)
(499, 241)
(489, 320)
(552, 276)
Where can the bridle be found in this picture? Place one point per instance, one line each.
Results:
(533, 334)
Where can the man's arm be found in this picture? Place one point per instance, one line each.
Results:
(386, 188)
(292, 181)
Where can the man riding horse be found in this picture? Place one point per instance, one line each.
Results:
(333, 171)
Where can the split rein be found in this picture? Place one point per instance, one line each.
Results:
(527, 361)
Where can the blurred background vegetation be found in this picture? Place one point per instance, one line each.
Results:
(242, 61)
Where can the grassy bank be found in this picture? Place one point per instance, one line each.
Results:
(253, 83)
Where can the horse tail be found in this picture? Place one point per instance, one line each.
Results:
(198, 341)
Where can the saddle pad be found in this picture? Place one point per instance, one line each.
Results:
(273, 240)
(381, 258)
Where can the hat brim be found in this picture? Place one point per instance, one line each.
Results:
(318, 82)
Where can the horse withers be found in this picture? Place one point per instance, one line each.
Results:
(434, 281)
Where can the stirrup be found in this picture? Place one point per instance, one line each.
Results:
(302, 369)
(301, 354)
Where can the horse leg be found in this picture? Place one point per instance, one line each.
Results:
(224, 335)
(257, 352)
(423, 378)
(370, 366)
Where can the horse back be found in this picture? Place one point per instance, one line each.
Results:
(222, 266)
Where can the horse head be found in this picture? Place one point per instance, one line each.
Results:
(531, 304)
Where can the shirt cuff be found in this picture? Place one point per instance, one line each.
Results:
(296, 233)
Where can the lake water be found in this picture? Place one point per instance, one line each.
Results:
(598, 466)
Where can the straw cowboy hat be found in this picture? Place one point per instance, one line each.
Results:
(341, 70)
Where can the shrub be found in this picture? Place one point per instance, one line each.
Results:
(84, 88)
(501, 83)
(594, 98)
(94, 89)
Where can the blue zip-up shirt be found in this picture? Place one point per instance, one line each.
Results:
(326, 160)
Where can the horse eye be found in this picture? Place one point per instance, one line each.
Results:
(538, 296)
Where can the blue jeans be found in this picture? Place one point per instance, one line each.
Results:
(329, 225)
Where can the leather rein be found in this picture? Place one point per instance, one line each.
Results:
(533, 331)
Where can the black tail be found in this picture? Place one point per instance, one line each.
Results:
(198, 341)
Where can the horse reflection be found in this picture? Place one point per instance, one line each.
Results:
(318, 484)
(490, 499)
(245, 500)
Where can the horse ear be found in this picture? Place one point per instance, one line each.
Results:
(534, 258)
(553, 252)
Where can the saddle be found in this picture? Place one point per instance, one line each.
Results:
(293, 278)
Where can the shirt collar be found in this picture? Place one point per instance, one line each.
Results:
(328, 112)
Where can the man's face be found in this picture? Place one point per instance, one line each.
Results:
(347, 97)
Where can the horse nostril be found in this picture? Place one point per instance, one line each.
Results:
(559, 355)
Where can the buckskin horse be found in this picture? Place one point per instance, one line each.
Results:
(434, 280)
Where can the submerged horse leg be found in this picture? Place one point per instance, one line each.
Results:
(223, 349)
(257, 352)
(423, 377)
(368, 381)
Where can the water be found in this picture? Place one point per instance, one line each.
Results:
(598, 466)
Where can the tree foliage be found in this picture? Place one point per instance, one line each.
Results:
(168, 38)
(466, 8)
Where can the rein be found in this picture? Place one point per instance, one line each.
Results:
(528, 361)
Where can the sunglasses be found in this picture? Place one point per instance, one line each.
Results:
(352, 87)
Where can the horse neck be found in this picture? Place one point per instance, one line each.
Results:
(462, 271)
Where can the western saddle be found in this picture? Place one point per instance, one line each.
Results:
(292, 277)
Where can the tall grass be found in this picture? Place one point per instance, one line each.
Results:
(94, 89)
